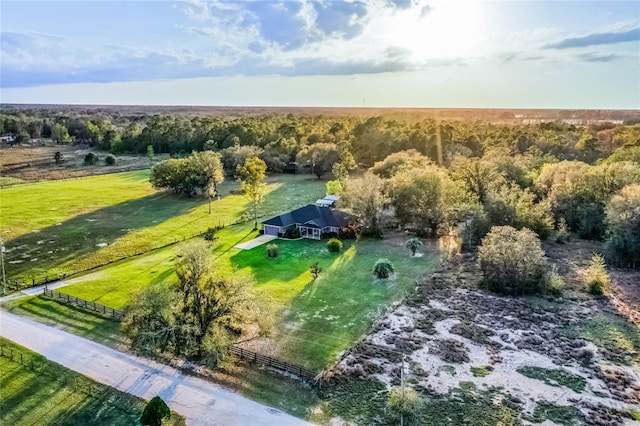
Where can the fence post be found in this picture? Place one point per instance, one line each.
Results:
(21, 360)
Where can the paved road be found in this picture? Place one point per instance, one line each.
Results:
(201, 402)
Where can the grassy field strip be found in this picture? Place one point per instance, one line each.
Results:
(38, 391)
(101, 234)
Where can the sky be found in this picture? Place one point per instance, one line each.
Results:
(376, 53)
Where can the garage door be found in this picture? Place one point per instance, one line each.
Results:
(270, 230)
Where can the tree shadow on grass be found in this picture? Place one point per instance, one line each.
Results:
(55, 245)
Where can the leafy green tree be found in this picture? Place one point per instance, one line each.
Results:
(155, 412)
(59, 133)
(400, 162)
(510, 205)
(202, 315)
(413, 244)
(479, 176)
(429, 199)
(364, 197)
(252, 180)
(208, 167)
(236, 155)
(512, 261)
(334, 187)
(623, 227)
(321, 157)
(200, 173)
(383, 268)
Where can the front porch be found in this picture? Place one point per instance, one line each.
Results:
(310, 232)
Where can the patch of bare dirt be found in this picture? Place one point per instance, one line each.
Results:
(449, 324)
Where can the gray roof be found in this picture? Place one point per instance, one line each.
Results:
(312, 216)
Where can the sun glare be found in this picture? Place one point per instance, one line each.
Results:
(445, 30)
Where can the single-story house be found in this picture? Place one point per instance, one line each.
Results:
(311, 220)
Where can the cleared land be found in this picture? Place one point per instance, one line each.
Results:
(570, 360)
(58, 227)
(23, 164)
(52, 394)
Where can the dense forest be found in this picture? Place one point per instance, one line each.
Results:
(550, 177)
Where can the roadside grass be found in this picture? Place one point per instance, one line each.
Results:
(618, 336)
(115, 284)
(554, 377)
(58, 227)
(69, 318)
(53, 394)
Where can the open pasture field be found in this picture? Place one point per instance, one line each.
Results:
(317, 319)
(58, 227)
(52, 394)
(22, 164)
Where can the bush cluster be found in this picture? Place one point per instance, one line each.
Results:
(334, 245)
(272, 251)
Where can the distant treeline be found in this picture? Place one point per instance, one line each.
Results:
(280, 138)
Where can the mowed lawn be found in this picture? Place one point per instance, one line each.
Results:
(52, 394)
(70, 226)
(318, 319)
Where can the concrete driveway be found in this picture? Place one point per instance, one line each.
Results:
(258, 241)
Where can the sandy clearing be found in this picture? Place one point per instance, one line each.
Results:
(201, 402)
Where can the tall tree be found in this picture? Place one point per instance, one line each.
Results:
(320, 157)
(202, 315)
(252, 180)
(209, 167)
(365, 198)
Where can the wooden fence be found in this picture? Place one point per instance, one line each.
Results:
(245, 354)
(92, 306)
(268, 361)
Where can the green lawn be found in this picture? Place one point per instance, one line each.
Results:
(74, 225)
(318, 319)
(52, 394)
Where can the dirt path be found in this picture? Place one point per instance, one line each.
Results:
(201, 402)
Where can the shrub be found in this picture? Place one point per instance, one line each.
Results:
(334, 245)
(210, 234)
(562, 233)
(58, 157)
(292, 233)
(383, 268)
(91, 159)
(110, 160)
(315, 270)
(413, 244)
(512, 261)
(553, 282)
(155, 411)
(402, 402)
(272, 251)
(597, 279)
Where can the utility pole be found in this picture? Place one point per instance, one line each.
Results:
(402, 390)
(4, 279)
